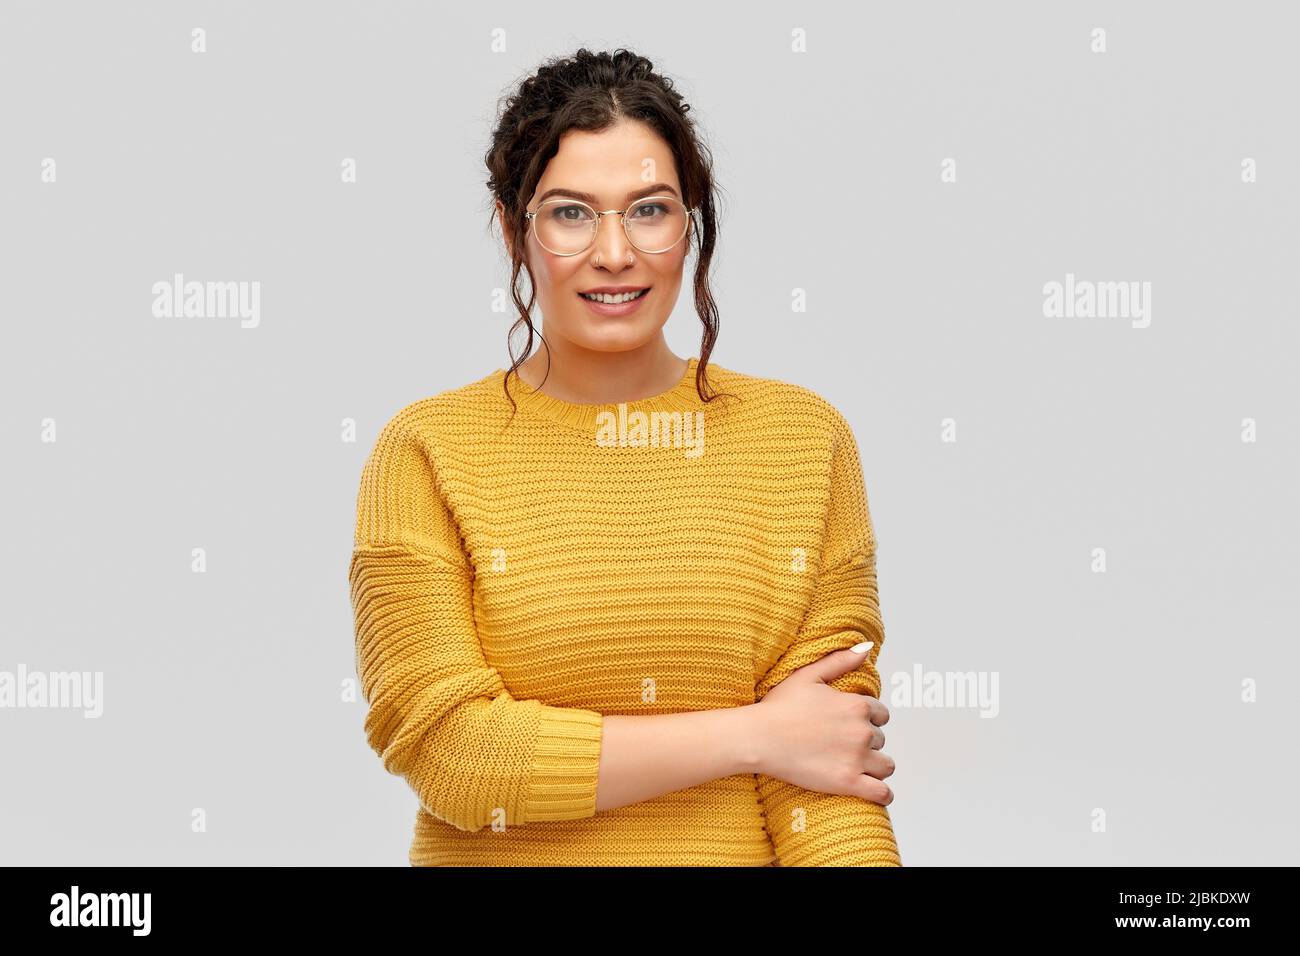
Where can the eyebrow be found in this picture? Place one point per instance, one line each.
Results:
(589, 198)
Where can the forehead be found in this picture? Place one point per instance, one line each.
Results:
(611, 162)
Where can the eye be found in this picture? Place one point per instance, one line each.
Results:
(569, 213)
(650, 209)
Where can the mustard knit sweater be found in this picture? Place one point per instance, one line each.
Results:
(513, 581)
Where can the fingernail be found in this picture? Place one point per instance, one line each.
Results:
(862, 648)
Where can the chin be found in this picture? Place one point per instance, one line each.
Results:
(614, 334)
(613, 340)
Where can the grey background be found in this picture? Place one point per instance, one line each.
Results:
(1119, 691)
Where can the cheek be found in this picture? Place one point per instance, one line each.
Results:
(670, 271)
(549, 271)
(556, 283)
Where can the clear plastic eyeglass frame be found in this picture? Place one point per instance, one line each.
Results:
(595, 223)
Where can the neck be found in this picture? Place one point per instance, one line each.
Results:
(589, 377)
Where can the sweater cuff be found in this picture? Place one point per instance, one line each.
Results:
(566, 765)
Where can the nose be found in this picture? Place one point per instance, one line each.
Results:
(611, 241)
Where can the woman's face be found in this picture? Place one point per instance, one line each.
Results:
(615, 167)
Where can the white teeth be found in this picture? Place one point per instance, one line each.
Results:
(613, 299)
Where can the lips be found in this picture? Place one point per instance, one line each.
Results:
(614, 308)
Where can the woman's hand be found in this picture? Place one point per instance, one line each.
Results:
(823, 739)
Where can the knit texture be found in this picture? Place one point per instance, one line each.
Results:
(515, 580)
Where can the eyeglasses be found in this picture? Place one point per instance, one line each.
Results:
(567, 227)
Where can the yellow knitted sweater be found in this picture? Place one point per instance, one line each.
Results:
(513, 581)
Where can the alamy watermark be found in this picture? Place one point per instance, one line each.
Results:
(970, 690)
(72, 690)
(655, 429)
(76, 908)
(1087, 300)
(179, 299)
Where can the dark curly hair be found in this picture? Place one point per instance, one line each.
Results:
(592, 92)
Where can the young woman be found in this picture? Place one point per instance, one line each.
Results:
(607, 614)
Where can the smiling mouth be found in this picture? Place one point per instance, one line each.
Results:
(609, 299)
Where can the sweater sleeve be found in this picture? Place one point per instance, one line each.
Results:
(439, 715)
(807, 827)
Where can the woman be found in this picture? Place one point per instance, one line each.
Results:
(586, 635)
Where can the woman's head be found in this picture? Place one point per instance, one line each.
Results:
(605, 129)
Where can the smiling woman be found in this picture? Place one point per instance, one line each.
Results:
(585, 637)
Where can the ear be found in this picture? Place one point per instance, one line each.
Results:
(505, 228)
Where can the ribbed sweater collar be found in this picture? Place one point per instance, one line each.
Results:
(583, 416)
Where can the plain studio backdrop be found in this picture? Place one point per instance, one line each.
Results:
(901, 184)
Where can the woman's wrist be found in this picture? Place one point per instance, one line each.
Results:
(747, 739)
